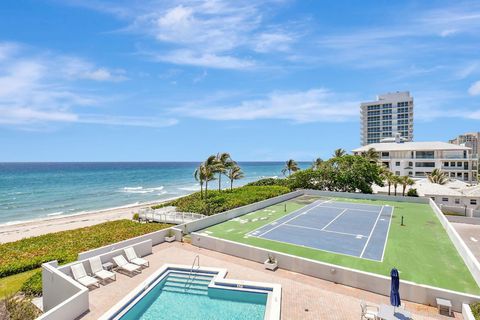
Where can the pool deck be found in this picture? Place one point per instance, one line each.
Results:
(303, 297)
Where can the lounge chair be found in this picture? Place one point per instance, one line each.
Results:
(99, 272)
(368, 312)
(123, 264)
(81, 276)
(133, 258)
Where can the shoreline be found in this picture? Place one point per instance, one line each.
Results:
(13, 231)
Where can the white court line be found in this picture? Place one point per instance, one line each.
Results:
(338, 216)
(371, 232)
(388, 231)
(281, 224)
(376, 211)
(310, 228)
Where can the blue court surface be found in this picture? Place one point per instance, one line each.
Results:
(354, 229)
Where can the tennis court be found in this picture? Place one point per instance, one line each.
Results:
(354, 229)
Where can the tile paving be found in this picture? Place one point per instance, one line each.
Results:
(303, 297)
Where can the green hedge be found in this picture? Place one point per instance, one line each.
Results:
(33, 285)
(30, 253)
(219, 201)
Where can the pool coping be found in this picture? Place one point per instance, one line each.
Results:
(273, 291)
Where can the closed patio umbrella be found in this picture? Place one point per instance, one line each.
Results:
(395, 286)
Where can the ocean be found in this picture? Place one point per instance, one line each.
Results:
(38, 190)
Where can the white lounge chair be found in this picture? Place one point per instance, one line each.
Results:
(368, 312)
(99, 272)
(123, 264)
(133, 258)
(80, 275)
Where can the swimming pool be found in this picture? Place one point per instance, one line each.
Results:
(177, 293)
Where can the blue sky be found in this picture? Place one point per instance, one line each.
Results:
(263, 80)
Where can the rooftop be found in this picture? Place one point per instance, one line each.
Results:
(303, 297)
(411, 146)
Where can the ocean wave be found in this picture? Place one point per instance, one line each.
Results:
(142, 189)
(192, 188)
(55, 213)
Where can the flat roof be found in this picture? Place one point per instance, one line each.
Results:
(411, 146)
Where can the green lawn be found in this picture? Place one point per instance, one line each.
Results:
(421, 250)
(12, 284)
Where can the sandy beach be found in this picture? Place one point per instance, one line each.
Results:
(17, 231)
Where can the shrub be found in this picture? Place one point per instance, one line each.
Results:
(30, 253)
(219, 201)
(269, 182)
(19, 308)
(136, 217)
(33, 285)
(412, 193)
(475, 310)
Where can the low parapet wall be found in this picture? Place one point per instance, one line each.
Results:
(410, 291)
(63, 297)
(230, 214)
(365, 196)
(462, 249)
(156, 237)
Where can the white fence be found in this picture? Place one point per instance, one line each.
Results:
(168, 215)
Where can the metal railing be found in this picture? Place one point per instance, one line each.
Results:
(192, 274)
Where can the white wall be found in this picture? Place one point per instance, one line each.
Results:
(354, 278)
(63, 298)
(230, 214)
(467, 256)
(364, 196)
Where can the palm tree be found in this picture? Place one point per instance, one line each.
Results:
(406, 181)
(371, 154)
(389, 177)
(317, 163)
(224, 161)
(438, 176)
(199, 175)
(339, 153)
(290, 166)
(395, 181)
(234, 173)
(211, 167)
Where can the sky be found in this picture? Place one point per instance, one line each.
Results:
(263, 80)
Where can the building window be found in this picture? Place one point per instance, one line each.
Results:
(445, 199)
(397, 163)
(445, 164)
(385, 154)
(397, 173)
(473, 201)
(457, 201)
(459, 164)
(452, 164)
(425, 154)
(433, 198)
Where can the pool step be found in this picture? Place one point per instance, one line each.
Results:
(185, 291)
(191, 280)
(190, 285)
(187, 275)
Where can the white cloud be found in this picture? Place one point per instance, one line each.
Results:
(210, 60)
(474, 89)
(315, 105)
(34, 91)
(205, 33)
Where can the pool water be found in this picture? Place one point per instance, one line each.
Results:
(178, 297)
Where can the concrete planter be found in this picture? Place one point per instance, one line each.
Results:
(271, 265)
(170, 239)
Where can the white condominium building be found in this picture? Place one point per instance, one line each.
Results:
(390, 114)
(417, 159)
(470, 139)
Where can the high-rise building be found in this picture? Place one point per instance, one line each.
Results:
(469, 139)
(389, 115)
